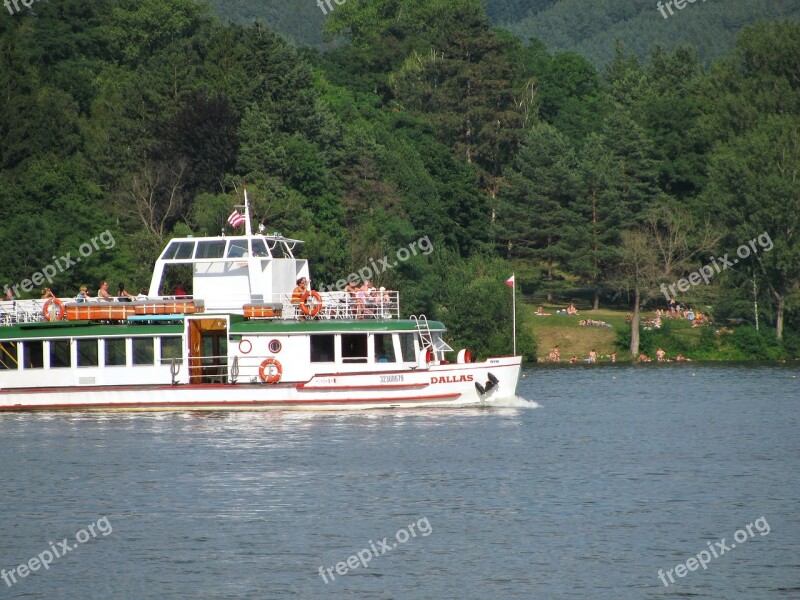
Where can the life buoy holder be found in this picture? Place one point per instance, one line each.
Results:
(272, 365)
(311, 311)
(46, 309)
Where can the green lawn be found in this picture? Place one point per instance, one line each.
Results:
(573, 339)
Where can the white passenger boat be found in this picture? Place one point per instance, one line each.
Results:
(238, 342)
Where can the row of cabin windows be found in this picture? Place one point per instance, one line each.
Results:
(88, 352)
(355, 348)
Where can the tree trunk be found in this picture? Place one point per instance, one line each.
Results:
(635, 326)
(779, 317)
(596, 303)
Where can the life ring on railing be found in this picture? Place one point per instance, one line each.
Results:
(268, 364)
(465, 356)
(46, 309)
(429, 355)
(311, 311)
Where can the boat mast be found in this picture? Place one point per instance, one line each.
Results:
(248, 229)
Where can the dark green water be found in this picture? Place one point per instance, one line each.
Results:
(614, 473)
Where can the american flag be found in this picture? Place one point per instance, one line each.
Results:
(236, 219)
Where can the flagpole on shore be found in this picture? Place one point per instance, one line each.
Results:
(514, 312)
(512, 281)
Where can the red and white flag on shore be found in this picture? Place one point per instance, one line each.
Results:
(510, 281)
(236, 219)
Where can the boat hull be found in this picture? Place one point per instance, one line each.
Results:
(438, 385)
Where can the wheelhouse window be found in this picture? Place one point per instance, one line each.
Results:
(33, 355)
(237, 248)
(407, 347)
(143, 351)
(259, 248)
(354, 348)
(384, 348)
(115, 353)
(210, 249)
(179, 251)
(322, 348)
(87, 353)
(59, 354)
(170, 348)
(8, 355)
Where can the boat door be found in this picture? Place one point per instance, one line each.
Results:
(208, 349)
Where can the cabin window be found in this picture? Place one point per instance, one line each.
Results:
(178, 251)
(8, 355)
(115, 352)
(384, 348)
(171, 348)
(407, 347)
(210, 249)
(322, 348)
(59, 354)
(278, 251)
(143, 351)
(87, 353)
(354, 348)
(237, 248)
(259, 248)
(33, 355)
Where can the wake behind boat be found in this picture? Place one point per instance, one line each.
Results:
(241, 340)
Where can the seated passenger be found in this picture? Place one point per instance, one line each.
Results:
(299, 290)
(83, 294)
(47, 293)
(122, 293)
(142, 294)
(102, 291)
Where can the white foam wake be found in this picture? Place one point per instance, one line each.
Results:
(513, 402)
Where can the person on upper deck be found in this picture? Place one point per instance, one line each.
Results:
(123, 294)
(180, 290)
(299, 290)
(102, 291)
(83, 294)
(9, 295)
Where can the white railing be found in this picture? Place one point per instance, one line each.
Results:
(334, 305)
(346, 305)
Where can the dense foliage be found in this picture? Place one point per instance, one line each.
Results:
(148, 118)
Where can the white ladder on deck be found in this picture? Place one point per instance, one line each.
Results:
(424, 330)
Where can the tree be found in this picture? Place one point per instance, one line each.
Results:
(534, 209)
(754, 185)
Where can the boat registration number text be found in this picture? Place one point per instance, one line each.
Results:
(391, 378)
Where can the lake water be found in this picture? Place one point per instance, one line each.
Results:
(600, 477)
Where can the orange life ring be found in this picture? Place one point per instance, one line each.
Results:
(46, 309)
(311, 312)
(429, 355)
(275, 377)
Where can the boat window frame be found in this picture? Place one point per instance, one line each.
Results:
(27, 345)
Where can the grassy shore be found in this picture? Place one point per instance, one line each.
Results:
(573, 339)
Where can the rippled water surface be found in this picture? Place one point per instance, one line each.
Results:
(598, 479)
